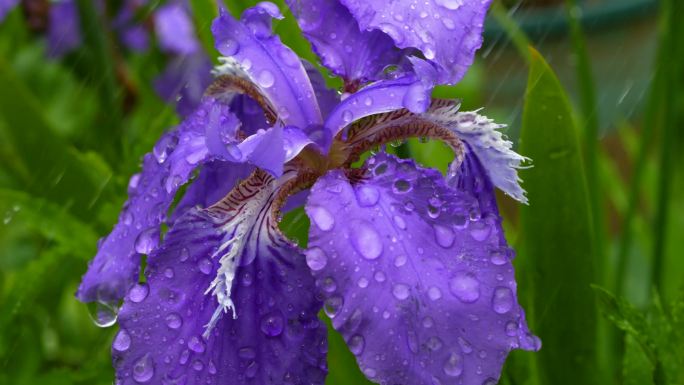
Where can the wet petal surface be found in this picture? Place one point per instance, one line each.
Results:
(276, 337)
(417, 275)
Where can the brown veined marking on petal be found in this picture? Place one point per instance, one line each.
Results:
(231, 84)
(380, 129)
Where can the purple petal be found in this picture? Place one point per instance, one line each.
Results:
(383, 96)
(64, 33)
(276, 337)
(486, 141)
(327, 97)
(184, 80)
(253, 51)
(356, 55)
(6, 6)
(115, 266)
(416, 273)
(447, 32)
(175, 30)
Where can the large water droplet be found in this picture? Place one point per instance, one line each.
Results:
(322, 217)
(265, 79)
(139, 292)
(366, 239)
(444, 236)
(399, 222)
(316, 258)
(400, 260)
(511, 328)
(367, 195)
(434, 293)
(356, 344)
(272, 324)
(362, 282)
(122, 341)
(502, 300)
(205, 266)
(347, 116)
(164, 147)
(498, 258)
(196, 344)
(450, 4)
(146, 241)
(333, 305)
(143, 369)
(401, 186)
(434, 343)
(174, 320)
(480, 231)
(328, 284)
(400, 291)
(380, 276)
(229, 47)
(465, 287)
(453, 366)
(103, 314)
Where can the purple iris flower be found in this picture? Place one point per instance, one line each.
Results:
(411, 266)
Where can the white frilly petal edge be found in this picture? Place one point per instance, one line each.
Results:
(492, 148)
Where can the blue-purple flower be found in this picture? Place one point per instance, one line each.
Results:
(412, 267)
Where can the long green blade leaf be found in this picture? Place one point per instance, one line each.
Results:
(556, 231)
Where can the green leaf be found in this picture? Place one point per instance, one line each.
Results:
(45, 165)
(557, 235)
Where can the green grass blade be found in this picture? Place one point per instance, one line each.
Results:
(47, 167)
(557, 235)
(512, 29)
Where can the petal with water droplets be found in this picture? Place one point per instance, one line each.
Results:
(422, 292)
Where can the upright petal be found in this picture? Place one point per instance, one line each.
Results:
(356, 55)
(252, 51)
(64, 33)
(417, 275)
(175, 30)
(276, 337)
(6, 6)
(447, 32)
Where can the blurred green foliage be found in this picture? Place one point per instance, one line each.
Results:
(72, 133)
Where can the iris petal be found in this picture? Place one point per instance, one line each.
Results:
(276, 337)
(417, 275)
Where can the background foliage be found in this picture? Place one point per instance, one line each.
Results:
(600, 260)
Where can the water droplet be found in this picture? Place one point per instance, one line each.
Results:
(379, 276)
(316, 258)
(409, 206)
(184, 254)
(184, 357)
(400, 291)
(502, 301)
(327, 284)
(444, 236)
(247, 353)
(333, 305)
(412, 341)
(480, 231)
(122, 341)
(453, 366)
(229, 47)
(103, 314)
(347, 116)
(367, 195)
(356, 344)
(399, 222)
(265, 78)
(465, 287)
(490, 381)
(511, 328)
(416, 98)
(321, 217)
(448, 23)
(362, 282)
(400, 260)
(164, 147)
(434, 343)
(197, 365)
(498, 258)
(366, 239)
(138, 292)
(196, 344)
(251, 369)
(434, 293)
(146, 241)
(174, 320)
(428, 322)
(205, 266)
(272, 324)
(450, 4)
(401, 186)
(168, 273)
(368, 101)
(465, 345)
(381, 168)
(143, 369)
(393, 32)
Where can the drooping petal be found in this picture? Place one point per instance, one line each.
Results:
(252, 51)
(356, 55)
(327, 97)
(175, 30)
(175, 156)
(447, 32)
(276, 337)
(64, 33)
(184, 80)
(417, 275)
